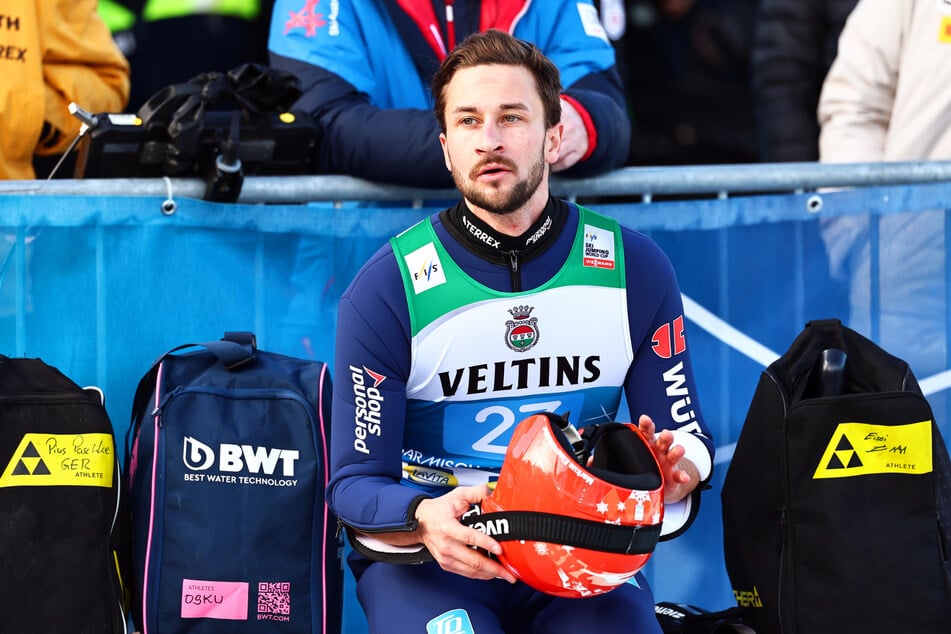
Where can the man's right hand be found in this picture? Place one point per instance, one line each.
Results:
(452, 544)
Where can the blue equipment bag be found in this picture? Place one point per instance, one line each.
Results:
(227, 470)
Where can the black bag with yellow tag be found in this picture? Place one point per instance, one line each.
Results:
(59, 503)
(837, 503)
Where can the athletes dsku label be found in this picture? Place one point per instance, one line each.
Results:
(232, 600)
(226, 600)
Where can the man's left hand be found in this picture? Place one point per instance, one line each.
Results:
(680, 474)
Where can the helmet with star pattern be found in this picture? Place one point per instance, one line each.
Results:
(574, 519)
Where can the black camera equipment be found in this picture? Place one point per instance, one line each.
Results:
(219, 127)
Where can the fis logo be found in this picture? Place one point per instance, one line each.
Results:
(425, 268)
(197, 456)
(598, 248)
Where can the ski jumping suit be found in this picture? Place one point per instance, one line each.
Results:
(447, 338)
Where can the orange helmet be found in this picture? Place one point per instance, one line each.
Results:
(567, 527)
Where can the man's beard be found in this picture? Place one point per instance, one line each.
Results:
(494, 199)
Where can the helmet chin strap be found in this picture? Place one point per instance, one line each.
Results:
(563, 529)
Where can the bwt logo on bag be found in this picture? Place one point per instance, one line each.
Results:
(235, 459)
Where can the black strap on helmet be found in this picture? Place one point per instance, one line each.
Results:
(563, 529)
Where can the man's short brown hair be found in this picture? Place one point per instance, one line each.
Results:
(497, 47)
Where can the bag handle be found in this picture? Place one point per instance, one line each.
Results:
(234, 350)
(828, 349)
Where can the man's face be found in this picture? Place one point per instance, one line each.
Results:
(496, 144)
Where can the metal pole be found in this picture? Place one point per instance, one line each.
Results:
(628, 182)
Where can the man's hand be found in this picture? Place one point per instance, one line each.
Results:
(574, 138)
(451, 543)
(680, 475)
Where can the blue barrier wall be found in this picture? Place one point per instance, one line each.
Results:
(99, 287)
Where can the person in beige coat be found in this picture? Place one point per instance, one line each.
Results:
(887, 97)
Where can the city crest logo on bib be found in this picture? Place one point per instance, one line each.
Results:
(521, 332)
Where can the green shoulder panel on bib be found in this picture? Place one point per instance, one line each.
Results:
(597, 256)
(435, 286)
(431, 280)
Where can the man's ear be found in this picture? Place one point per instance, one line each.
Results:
(553, 142)
(445, 151)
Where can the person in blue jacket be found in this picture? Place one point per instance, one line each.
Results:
(365, 65)
(431, 378)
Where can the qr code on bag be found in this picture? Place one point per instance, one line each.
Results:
(274, 598)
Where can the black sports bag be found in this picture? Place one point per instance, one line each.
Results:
(837, 502)
(59, 503)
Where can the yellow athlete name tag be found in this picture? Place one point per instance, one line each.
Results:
(61, 459)
(860, 449)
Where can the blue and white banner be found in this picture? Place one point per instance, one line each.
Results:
(99, 287)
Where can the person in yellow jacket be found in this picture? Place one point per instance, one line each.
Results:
(53, 52)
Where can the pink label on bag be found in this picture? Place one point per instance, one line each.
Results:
(214, 600)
